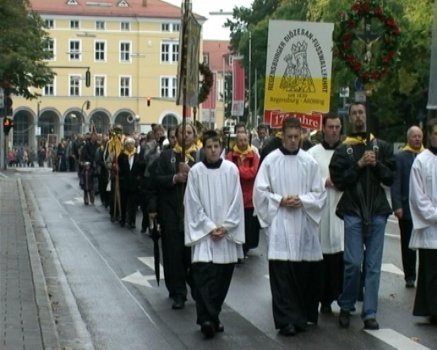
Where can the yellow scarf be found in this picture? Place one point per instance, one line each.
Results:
(193, 148)
(408, 148)
(355, 140)
(130, 153)
(241, 152)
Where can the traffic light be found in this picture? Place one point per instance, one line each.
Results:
(7, 125)
(148, 101)
(88, 78)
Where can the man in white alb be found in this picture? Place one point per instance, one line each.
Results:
(214, 229)
(288, 198)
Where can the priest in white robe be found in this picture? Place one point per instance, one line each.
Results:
(331, 229)
(289, 196)
(214, 228)
(423, 206)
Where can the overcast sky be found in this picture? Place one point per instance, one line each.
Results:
(213, 27)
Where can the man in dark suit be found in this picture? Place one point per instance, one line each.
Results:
(130, 170)
(400, 197)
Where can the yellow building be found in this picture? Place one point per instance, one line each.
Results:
(127, 50)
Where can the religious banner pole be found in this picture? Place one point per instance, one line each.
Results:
(188, 67)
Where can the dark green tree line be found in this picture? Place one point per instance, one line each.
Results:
(23, 43)
(398, 100)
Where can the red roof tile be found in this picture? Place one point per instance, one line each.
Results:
(109, 8)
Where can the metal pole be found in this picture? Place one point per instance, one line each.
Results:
(432, 92)
(255, 101)
(250, 78)
(224, 90)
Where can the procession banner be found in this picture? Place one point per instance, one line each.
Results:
(188, 65)
(238, 86)
(298, 71)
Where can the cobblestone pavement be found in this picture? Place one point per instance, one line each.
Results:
(26, 320)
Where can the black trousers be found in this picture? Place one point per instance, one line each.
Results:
(295, 290)
(251, 230)
(211, 283)
(332, 277)
(408, 255)
(425, 303)
(176, 259)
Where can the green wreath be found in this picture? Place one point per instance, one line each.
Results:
(369, 69)
(206, 83)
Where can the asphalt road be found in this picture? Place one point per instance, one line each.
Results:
(104, 294)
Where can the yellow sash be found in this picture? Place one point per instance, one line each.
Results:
(408, 148)
(193, 148)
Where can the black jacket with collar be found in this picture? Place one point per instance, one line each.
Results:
(362, 187)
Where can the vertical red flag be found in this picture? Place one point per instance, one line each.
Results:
(238, 86)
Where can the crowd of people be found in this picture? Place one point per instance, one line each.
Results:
(322, 207)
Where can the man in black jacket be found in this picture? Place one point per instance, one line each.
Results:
(359, 167)
(400, 196)
(170, 180)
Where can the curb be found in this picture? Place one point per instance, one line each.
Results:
(49, 333)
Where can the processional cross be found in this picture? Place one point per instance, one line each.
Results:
(368, 38)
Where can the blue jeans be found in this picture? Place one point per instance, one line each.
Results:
(355, 247)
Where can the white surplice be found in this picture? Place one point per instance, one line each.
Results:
(423, 201)
(292, 232)
(213, 198)
(331, 229)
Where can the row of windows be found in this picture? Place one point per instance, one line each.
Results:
(169, 51)
(167, 88)
(101, 25)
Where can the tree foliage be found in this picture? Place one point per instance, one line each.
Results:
(22, 49)
(401, 96)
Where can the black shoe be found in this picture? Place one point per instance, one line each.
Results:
(325, 309)
(433, 320)
(409, 284)
(371, 324)
(344, 319)
(132, 227)
(122, 223)
(208, 329)
(178, 302)
(143, 230)
(220, 328)
(288, 330)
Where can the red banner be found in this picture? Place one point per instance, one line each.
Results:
(310, 121)
(238, 86)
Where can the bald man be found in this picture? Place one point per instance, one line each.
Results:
(400, 197)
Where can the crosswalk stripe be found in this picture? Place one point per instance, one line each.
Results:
(396, 340)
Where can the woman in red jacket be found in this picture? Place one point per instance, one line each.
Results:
(247, 161)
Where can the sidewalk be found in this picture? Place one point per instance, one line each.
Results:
(26, 320)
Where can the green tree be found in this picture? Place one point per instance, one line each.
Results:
(400, 97)
(22, 49)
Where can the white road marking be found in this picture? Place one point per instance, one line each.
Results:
(150, 262)
(139, 278)
(392, 269)
(396, 340)
(74, 201)
(143, 280)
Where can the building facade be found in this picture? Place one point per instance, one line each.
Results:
(115, 63)
(217, 56)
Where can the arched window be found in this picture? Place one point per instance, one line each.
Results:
(169, 120)
(21, 128)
